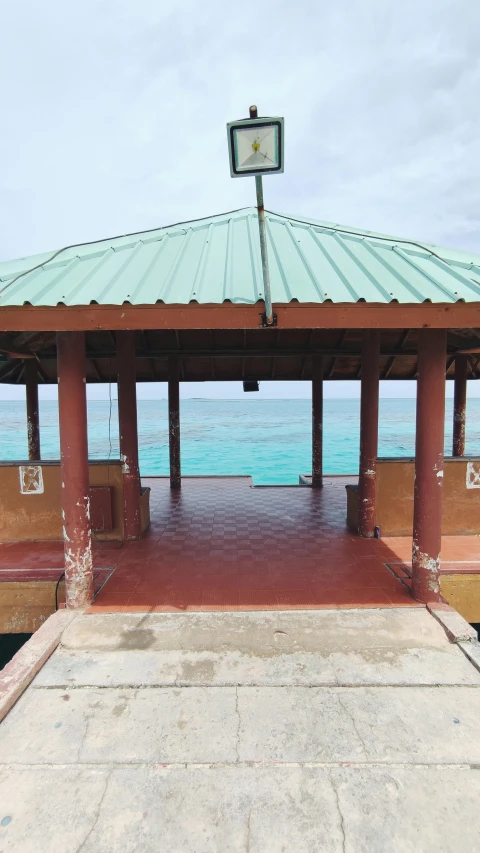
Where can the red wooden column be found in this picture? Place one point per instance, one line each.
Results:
(317, 421)
(127, 416)
(72, 406)
(368, 432)
(460, 405)
(174, 422)
(429, 452)
(33, 422)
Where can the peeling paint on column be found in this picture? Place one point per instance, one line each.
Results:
(430, 566)
(125, 464)
(429, 466)
(75, 475)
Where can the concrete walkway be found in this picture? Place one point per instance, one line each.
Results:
(354, 730)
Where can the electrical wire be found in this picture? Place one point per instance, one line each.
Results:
(56, 590)
(372, 236)
(325, 227)
(96, 575)
(108, 240)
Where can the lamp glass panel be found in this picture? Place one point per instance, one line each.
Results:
(256, 148)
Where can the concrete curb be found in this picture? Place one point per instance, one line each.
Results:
(20, 671)
(455, 626)
(471, 650)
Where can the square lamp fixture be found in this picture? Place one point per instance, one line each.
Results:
(255, 146)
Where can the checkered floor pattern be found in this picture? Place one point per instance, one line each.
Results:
(220, 544)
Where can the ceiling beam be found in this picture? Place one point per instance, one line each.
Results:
(341, 342)
(401, 345)
(43, 376)
(330, 352)
(305, 358)
(96, 370)
(450, 361)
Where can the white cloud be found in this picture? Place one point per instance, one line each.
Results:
(114, 113)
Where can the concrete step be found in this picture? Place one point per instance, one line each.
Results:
(306, 648)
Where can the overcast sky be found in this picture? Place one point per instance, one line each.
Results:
(114, 113)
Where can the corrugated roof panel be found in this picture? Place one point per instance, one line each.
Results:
(349, 287)
(218, 259)
(278, 279)
(385, 266)
(244, 274)
(452, 278)
(296, 278)
(353, 249)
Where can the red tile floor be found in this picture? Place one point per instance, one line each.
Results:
(219, 544)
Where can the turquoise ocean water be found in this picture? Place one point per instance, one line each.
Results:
(268, 439)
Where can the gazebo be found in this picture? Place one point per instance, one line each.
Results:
(185, 303)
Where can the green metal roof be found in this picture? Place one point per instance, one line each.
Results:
(218, 259)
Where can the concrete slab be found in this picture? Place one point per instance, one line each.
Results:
(239, 809)
(154, 725)
(246, 752)
(384, 665)
(433, 725)
(425, 725)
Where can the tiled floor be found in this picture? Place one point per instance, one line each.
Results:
(219, 544)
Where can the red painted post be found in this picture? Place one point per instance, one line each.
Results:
(429, 461)
(460, 405)
(33, 421)
(317, 421)
(72, 407)
(174, 422)
(368, 432)
(127, 416)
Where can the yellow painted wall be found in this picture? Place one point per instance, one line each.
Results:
(394, 501)
(25, 605)
(26, 517)
(462, 591)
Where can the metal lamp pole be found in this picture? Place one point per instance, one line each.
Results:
(263, 240)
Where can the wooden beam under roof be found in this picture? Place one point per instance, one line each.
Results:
(227, 316)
